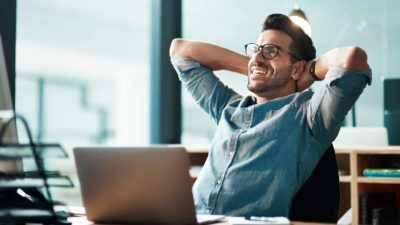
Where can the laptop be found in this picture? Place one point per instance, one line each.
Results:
(137, 185)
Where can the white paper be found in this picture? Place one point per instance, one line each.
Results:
(271, 220)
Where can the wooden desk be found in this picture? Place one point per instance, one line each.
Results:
(292, 223)
(83, 221)
(305, 223)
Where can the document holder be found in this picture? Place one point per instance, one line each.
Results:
(25, 196)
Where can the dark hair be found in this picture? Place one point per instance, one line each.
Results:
(303, 45)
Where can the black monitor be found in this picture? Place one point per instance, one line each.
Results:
(391, 107)
(7, 165)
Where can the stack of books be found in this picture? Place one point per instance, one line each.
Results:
(381, 172)
(379, 208)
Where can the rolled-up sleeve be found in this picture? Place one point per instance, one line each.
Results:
(205, 87)
(330, 104)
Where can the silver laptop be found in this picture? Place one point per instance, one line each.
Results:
(137, 185)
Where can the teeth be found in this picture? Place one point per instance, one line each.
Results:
(258, 70)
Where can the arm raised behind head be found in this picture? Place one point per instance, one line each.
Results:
(353, 58)
(211, 56)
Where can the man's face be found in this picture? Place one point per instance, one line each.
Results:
(266, 75)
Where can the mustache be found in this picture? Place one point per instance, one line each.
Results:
(261, 65)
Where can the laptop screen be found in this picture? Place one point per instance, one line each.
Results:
(131, 185)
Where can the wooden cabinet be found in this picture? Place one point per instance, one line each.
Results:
(358, 159)
(351, 163)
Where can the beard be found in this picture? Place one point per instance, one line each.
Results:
(269, 82)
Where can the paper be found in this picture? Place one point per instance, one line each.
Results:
(270, 220)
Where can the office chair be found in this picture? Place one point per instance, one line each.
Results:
(318, 199)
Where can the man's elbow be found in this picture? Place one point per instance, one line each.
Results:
(356, 59)
(176, 48)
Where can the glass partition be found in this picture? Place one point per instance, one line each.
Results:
(83, 74)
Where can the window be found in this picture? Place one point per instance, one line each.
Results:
(372, 26)
(83, 74)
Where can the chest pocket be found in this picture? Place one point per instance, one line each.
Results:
(278, 124)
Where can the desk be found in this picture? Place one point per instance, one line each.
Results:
(83, 221)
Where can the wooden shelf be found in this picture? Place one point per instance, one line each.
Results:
(359, 158)
(345, 179)
(200, 149)
(368, 149)
(378, 180)
(195, 171)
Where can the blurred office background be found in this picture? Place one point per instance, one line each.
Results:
(83, 67)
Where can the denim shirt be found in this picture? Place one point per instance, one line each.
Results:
(262, 154)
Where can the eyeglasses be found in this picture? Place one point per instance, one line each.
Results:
(269, 51)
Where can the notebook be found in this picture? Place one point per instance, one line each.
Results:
(137, 185)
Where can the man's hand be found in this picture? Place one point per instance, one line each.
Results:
(305, 80)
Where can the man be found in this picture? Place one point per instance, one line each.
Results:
(267, 145)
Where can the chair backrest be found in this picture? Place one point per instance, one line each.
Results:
(318, 199)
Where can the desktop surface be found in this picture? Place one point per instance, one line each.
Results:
(83, 221)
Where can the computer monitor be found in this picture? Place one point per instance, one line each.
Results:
(7, 165)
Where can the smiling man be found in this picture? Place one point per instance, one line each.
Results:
(267, 144)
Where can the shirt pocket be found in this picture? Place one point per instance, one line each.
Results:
(278, 124)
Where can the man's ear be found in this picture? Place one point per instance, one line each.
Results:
(298, 69)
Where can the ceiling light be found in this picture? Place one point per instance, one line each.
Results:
(298, 17)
